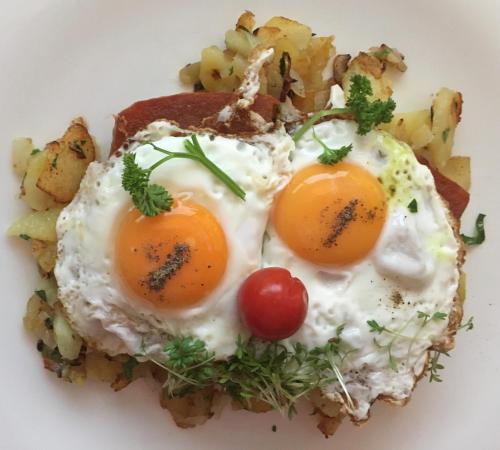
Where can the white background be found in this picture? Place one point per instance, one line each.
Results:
(60, 59)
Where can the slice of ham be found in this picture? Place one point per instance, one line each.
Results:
(456, 196)
(190, 110)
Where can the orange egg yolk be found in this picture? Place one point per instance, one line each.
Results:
(173, 260)
(331, 215)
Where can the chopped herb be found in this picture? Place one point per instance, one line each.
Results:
(367, 113)
(42, 294)
(413, 206)
(26, 237)
(375, 327)
(231, 70)
(153, 199)
(340, 329)
(34, 151)
(480, 235)
(331, 155)
(54, 162)
(445, 134)
(128, 367)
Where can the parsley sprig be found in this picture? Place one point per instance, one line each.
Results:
(153, 199)
(331, 155)
(367, 113)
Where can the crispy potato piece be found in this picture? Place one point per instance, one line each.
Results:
(66, 162)
(445, 116)
(215, 70)
(34, 197)
(38, 320)
(329, 412)
(329, 425)
(298, 34)
(39, 225)
(101, 367)
(192, 409)
(340, 65)
(458, 169)
(240, 41)
(68, 342)
(373, 69)
(190, 73)
(45, 254)
(389, 56)
(21, 152)
(254, 405)
(414, 128)
(246, 21)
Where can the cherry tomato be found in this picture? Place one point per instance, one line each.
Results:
(272, 303)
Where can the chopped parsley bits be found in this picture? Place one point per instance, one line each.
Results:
(413, 206)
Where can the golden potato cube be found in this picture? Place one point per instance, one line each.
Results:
(37, 225)
(446, 112)
(66, 162)
(21, 152)
(34, 197)
(216, 70)
(297, 33)
(246, 21)
(190, 73)
(45, 254)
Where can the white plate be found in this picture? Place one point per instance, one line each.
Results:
(63, 59)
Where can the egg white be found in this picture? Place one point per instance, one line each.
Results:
(89, 286)
(415, 257)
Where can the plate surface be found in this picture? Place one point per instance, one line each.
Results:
(63, 59)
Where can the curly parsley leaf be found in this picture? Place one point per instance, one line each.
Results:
(367, 113)
(153, 199)
(150, 199)
(480, 234)
(331, 155)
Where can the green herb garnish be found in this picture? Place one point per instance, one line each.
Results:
(53, 164)
(153, 199)
(25, 237)
(480, 235)
(367, 113)
(42, 294)
(34, 151)
(413, 206)
(467, 326)
(128, 367)
(331, 155)
(382, 53)
(435, 366)
(445, 134)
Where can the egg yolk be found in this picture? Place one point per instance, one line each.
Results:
(331, 215)
(173, 260)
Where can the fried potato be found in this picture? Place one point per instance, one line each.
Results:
(414, 128)
(39, 225)
(68, 342)
(191, 410)
(34, 197)
(66, 161)
(457, 168)
(246, 21)
(21, 152)
(240, 41)
(45, 254)
(101, 367)
(296, 33)
(215, 70)
(190, 73)
(373, 69)
(445, 116)
(389, 56)
(38, 320)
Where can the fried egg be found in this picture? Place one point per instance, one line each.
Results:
(128, 281)
(346, 231)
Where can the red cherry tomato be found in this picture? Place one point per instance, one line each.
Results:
(272, 304)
